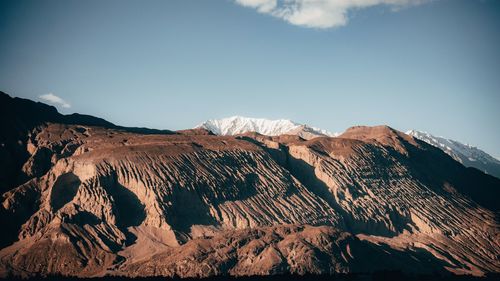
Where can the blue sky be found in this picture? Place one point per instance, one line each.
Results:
(432, 66)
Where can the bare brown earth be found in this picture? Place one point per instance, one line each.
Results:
(95, 199)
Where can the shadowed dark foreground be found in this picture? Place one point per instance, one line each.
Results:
(376, 276)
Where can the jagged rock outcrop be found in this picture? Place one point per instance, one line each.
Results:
(99, 200)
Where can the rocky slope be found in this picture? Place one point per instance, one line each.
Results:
(468, 155)
(97, 200)
(239, 125)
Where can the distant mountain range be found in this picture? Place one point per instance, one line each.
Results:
(468, 155)
(239, 125)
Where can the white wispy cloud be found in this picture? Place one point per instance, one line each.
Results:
(319, 13)
(53, 99)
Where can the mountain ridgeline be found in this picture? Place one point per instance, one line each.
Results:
(239, 125)
(84, 197)
(468, 155)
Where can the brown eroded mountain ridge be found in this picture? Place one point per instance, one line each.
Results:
(84, 197)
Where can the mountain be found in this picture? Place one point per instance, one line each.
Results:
(468, 155)
(20, 118)
(239, 125)
(98, 200)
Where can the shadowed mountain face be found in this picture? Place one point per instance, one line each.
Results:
(91, 198)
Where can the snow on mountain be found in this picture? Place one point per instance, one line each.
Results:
(466, 154)
(239, 125)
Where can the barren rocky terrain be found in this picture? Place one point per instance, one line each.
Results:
(83, 197)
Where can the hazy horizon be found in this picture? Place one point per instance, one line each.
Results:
(171, 65)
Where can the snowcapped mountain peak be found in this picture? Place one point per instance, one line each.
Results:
(468, 155)
(238, 125)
